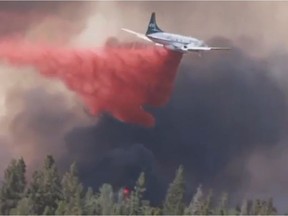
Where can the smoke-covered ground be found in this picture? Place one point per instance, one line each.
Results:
(226, 121)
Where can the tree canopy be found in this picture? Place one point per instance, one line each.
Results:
(50, 193)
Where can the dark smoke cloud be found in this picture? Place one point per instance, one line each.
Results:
(224, 122)
(224, 106)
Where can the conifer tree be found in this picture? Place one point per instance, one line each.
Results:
(174, 203)
(72, 189)
(48, 195)
(105, 199)
(196, 203)
(271, 209)
(13, 186)
(207, 207)
(23, 207)
(48, 211)
(136, 196)
(257, 207)
(45, 188)
(21, 170)
(121, 205)
(90, 202)
(263, 207)
(146, 209)
(244, 208)
(61, 206)
(156, 211)
(222, 208)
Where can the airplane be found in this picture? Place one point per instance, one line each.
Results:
(171, 41)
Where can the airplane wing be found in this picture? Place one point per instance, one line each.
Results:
(220, 48)
(206, 48)
(142, 36)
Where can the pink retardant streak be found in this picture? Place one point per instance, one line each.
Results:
(117, 79)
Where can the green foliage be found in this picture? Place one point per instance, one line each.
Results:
(174, 203)
(90, 201)
(222, 209)
(13, 186)
(196, 205)
(47, 195)
(72, 190)
(105, 200)
(207, 206)
(121, 205)
(135, 204)
(244, 208)
(23, 207)
(60, 208)
(45, 189)
(263, 207)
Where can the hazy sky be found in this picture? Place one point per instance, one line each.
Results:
(226, 118)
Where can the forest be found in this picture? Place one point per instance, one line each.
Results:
(49, 193)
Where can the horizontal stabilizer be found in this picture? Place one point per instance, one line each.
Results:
(142, 36)
(220, 48)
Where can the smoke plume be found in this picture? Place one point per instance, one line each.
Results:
(225, 120)
(213, 124)
(29, 103)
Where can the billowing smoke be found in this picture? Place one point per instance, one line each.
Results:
(43, 20)
(33, 108)
(222, 110)
(225, 121)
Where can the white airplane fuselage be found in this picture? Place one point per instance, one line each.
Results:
(174, 41)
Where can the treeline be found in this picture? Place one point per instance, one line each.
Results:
(49, 194)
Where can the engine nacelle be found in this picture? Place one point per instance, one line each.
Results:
(184, 48)
(176, 48)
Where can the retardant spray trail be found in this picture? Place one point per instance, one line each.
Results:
(118, 79)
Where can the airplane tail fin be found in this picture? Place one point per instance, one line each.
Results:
(153, 27)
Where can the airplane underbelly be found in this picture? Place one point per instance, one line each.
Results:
(166, 43)
(160, 41)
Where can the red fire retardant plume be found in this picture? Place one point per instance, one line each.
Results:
(118, 79)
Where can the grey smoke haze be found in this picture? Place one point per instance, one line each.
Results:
(24, 16)
(36, 113)
(225, 122)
